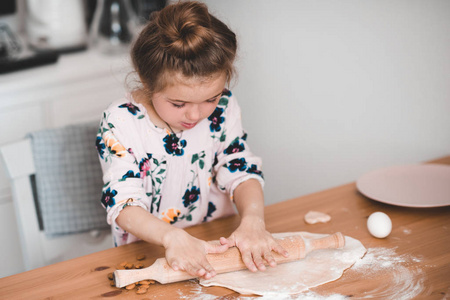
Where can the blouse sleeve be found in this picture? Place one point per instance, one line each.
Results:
(122, 180)
(234, 162)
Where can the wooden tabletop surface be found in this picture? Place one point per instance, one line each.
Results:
(420, 234)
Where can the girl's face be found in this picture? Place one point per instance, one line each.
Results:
(185, 103)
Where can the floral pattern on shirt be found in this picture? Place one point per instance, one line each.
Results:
(144, 166)
(171, 215)
(174, 145)
(237, 164)
(100, 146)
(108, 197)
(216, 119)
(253, 169)
(211, 209)
(130, 174)
(108, 141)
(199, 157)
(235, 147)
(133, 109)
(158, 174)
(191, 196)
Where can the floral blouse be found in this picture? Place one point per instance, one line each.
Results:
(183, 179)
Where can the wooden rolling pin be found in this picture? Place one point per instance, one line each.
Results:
(228, 261)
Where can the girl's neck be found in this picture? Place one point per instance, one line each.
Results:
(140, 97)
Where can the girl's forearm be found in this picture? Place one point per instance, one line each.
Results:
(249, 200)
(142, 224)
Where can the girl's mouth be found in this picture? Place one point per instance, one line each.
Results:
(188, 125)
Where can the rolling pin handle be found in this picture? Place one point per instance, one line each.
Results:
(114, 279)
(334, 241)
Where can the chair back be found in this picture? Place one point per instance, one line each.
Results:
(37, 248)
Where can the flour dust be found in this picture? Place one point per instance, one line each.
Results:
(406, 280)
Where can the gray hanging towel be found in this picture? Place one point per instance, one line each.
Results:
(68, 179)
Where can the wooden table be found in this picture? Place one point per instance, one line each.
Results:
(421, 233)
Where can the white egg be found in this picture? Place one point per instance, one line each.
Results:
(379, 225)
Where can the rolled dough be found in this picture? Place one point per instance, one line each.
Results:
(318, 267)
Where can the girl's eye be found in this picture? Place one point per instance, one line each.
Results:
(212, 100)
(178, 105)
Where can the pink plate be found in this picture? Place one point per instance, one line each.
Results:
(426, 185)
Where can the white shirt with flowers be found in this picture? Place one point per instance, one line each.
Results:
(183, 179)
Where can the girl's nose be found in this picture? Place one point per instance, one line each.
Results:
(193, 114)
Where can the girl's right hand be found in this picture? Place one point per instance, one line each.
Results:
(187, 253)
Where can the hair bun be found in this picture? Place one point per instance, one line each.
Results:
(182, 38)
(185, 29)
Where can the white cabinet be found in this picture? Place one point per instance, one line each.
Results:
(74, 90)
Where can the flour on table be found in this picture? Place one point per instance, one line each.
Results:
(405, 281)
(318, 267)
(196, 293)
(313, 217)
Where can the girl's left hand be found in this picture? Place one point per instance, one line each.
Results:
(255, 244)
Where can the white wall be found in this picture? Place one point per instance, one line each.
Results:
(333, 89)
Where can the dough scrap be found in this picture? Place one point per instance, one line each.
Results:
(313, 217)
(318, 267)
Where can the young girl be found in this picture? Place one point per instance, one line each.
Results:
(174, 153)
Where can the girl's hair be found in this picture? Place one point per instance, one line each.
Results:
(182, 38)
